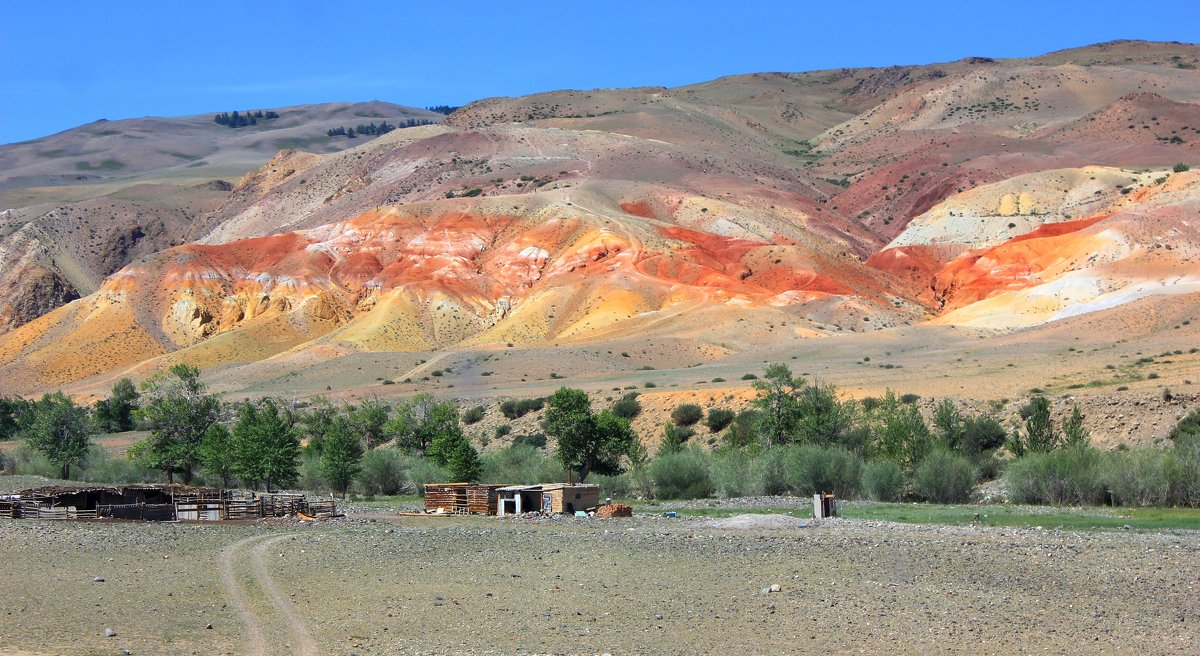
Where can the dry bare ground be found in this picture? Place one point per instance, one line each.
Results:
(639, 586)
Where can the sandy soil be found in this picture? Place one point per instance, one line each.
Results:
(645, 585)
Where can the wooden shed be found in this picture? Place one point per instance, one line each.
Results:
(566, 498)
(551, 498)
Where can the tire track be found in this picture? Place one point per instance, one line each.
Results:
(256, 645)
(298, 637)
(301, 640)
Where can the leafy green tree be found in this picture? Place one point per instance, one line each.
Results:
(316, 422)
(779, 409)
(370, 420)
(217, 455)
(115, 414)
(1073, 431)
(1039, 435)
(587, 442)
(820, 418)
(341, 456)
(903, 435)
(11, 410)
(59, 430)
(178, 412)
(453, 451)
(948, 425)
(266, 447)
(421, 421)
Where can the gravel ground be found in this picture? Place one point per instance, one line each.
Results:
(646, 585)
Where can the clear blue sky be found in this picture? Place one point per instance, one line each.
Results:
(67, 63)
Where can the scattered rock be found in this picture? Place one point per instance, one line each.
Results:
(99, 579)
(109, 633)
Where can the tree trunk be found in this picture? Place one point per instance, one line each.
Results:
(66, 471)
(586, 469)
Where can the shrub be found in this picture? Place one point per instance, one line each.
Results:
(1181, 167)
(882, 480)
(650, 385)
(310, 476)
(813, 469)
(627, 407)
(684, 474)
(735, 474)
(1185, 471)
(749, 377)
(1188, 427)
(26, 461)
(101, 468)
(674, 437)
(687, 414)
(514, 409)
(381, 472)
(521, 463)
(422, 470)
(1071, 476)
(473, 416)
(773, 476)
(981, 435)
(944, 477)
(1139, 477)
(619, 486)
(910, 398)
(743, 431)
(718, 419)
(502, 430)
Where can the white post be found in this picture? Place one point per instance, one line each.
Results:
(517, 496)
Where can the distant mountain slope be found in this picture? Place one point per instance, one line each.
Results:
(187, 147)
(735, 214)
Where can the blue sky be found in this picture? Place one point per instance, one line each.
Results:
(63, 64)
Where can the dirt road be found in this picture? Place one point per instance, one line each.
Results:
(298, 639)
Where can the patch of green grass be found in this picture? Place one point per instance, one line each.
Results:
(794, 511)
(1078, 519)
(1050, 518)
(183, 156)
(106, 165)
(384, 502)
(300, 143)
